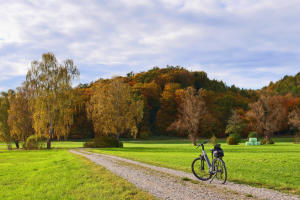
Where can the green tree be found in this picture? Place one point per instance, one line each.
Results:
(235, 124)
(50, 85)
(151, 95)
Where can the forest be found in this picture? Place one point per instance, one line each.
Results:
(170, 101)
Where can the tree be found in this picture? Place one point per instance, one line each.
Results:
(294, 121)
(82, 126)
(151, 95)
(192, 113)
(267, 115)
(168, 108)
(50, 86)
(20, 116)
(4, 128)
(114, 109)
(235, 124)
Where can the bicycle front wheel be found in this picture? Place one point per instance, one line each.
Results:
(200, 169)
(220, 170)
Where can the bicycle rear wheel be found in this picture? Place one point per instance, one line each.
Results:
(200, 169)
(220, 170)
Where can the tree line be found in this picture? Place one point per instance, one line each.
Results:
(168, 101)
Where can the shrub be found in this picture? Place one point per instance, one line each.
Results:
(35, 142)
(271, 141)
(230, 140)
(233, 139)
(237, 137)
(103, 142)
(265, 141)
(144, 135)
(213, 140)
(253, 134)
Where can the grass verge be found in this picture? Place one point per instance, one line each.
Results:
(58, 174)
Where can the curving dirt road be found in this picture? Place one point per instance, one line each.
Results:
(166, 183)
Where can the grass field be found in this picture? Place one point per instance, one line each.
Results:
(50, 174)
(271, 166)
(58, 174)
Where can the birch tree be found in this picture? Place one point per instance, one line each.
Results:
(50, 86)
(20, 116)
(114, 110)
(4, 128)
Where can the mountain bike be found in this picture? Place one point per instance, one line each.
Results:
(204, 170)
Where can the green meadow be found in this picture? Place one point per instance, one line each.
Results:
(58, 174)
(272, 166)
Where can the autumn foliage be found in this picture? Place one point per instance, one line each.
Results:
(169, 101)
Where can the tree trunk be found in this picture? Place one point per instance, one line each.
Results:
(50, 135)
(118, 136)
(194, 139)
(267, 136)
(17, 144)
(49, 143)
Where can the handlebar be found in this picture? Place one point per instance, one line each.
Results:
(204, 142)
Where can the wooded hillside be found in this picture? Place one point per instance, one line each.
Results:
(162, 90)
(158, 102)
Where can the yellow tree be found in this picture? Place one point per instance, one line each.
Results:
(19, 116)
(113, 108)
(4, 128)
(50, 86)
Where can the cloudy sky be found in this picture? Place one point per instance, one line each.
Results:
(243, 42)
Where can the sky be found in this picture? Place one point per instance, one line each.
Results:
(247, 43)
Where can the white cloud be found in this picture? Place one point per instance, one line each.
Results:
(243, 42)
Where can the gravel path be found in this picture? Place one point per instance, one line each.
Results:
(166, 183)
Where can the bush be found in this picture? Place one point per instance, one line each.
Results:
(233, 139)
(237, 137)
(144, 135)
(35, 142)
(103, 142)
(230, 140)
(253, 134)
(213, 140)
(265, 141)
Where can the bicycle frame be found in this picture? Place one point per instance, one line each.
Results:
(204, 154)
(207, 159)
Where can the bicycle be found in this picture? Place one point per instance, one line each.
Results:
(204, 170)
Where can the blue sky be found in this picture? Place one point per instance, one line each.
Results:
(247, 43)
